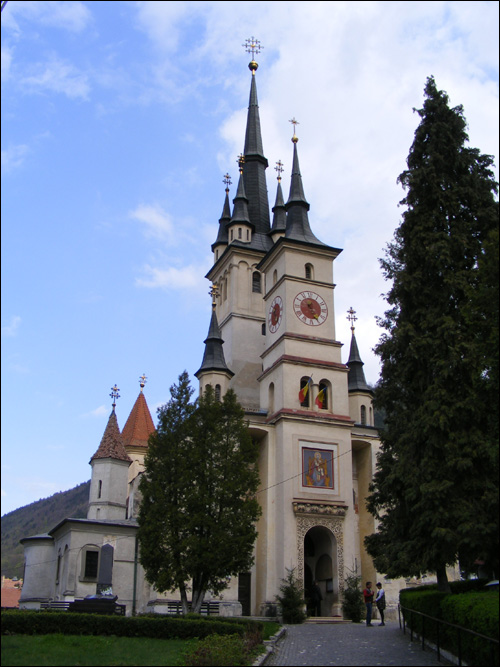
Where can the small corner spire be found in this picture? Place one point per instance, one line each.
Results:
(142, 381)
(254, 47)
(114, 395)
(351, 316)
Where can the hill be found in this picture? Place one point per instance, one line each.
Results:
(38, 518)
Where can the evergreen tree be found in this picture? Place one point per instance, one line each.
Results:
(198, 512)
(435, 491)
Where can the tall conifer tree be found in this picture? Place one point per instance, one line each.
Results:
(435, 491)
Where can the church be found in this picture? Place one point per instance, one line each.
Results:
(272, 339)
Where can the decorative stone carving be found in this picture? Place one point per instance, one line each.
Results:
(319, 508)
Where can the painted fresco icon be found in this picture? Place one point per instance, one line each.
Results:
(317, 468)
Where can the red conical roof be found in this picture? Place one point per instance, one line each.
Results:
(139, 425)
(112, 446)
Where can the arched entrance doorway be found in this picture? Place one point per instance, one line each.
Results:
(321, 564)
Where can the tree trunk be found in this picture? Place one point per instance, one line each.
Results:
(442, 579)
(197, 600)
(184, 600)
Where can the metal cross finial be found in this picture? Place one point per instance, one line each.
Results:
(294, 123)
(227, 181)
(252, 46)
(241, 162)
(351, 316)
(142, 381)
(114, 395)
(279, 169)
(214, 293)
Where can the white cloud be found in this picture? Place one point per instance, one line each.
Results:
(101, 411)
(157, 222)
(9, 330)
(171, 278)
(63, 14)
(13, 157)
(59, 77)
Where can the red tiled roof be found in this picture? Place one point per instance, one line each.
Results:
(10, 597)
(139, 425)
(111, 446)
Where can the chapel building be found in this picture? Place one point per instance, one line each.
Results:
(272, 339)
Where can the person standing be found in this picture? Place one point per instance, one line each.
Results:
(316, 598)
(380, 602)
(368, 596)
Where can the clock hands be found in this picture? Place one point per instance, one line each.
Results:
(313, 313)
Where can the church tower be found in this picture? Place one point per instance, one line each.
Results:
(272, 339)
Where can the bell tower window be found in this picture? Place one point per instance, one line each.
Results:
(363, 414)
(256, 282)
(309, 272)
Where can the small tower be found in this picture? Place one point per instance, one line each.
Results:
(360, 394)
(222, 237)
(213, 369)
(239, 228)
(110, 463)
(279, 213)
(138, 427)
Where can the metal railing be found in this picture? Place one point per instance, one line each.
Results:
(438, 623)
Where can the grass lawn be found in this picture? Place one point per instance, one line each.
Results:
(69, 650)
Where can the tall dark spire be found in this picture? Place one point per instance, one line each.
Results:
(297, 207)
(254, 174)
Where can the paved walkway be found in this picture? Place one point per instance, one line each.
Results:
(350, 644)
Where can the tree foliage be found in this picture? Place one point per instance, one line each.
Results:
(435, 491)
(198, 512)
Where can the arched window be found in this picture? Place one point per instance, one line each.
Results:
(232, 234)
(305, 392)
(256, 282)
(323, 398)
(363, 414)
(248, 235)
(99, 491)
(275, 277)
(239, 232)
(217, 392)
(309, 271)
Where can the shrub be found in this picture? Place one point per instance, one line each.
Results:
(218, 650)
(353, 606)
(291, 599)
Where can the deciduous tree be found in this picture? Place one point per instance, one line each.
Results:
(198, 513)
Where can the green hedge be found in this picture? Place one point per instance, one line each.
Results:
(476, 610)
(41, 623)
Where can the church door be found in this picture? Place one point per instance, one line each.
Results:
(244, 588)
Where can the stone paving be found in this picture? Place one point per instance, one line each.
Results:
(349, 644)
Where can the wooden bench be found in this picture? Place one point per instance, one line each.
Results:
(61, 605)
(96, 606)
(207, 608)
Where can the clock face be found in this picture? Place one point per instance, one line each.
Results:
(310, 308)
(275, 314)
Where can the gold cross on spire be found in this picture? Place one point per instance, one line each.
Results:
(279, 169)
(214, 293)
(227, 181)
(142, 381)
(252, 46)
(351, 316)
(294, 123)
(241, 162)
(114, 395)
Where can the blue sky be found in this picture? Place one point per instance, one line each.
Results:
(119, 120)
